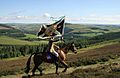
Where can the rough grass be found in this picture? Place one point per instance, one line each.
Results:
(8, 67)
(107, 70)
(101, 44)
(94, 56)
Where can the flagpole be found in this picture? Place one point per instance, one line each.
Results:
(63, 27)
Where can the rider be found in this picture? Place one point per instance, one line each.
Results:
(51, 48)
(52, 33)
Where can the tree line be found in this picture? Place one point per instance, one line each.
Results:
(8, 51)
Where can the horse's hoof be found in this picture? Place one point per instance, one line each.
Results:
(25, 77)
(33, 75)
(64, 71)
(28, 76)
(57, 73)
(41, 74)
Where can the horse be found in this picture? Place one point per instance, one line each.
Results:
(41, 57)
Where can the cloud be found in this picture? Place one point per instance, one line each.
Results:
(23, 19)
(46, 15)
(113, 19)
(93, 19)
(6, 18)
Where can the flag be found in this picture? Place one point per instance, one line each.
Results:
(53, 30)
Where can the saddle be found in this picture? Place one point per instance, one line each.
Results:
(54, 52)
(51, 56)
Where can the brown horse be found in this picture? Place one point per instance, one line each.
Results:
(42, 57)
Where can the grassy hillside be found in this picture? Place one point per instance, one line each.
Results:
(26, 28)
(6, 30)
(30, 36)
(4, 26)
(80, 30)
(96, 55)
(12, 41)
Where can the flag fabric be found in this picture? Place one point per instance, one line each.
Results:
(53, 30)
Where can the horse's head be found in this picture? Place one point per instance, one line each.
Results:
(72, 47)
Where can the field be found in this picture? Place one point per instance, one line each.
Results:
(4, 40)
(29, 36)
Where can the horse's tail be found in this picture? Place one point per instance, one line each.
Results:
(27, 68)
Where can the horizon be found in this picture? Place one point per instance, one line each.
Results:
(50, 23)
(76, 11)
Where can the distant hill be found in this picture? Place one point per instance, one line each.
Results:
(3, 26)
(6, 30)
(76, 30)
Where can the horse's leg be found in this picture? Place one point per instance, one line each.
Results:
(33, 71)
(37, 67)
(56, 67)
(65, 65)
(40, 71)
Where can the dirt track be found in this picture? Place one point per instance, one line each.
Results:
(50, 73)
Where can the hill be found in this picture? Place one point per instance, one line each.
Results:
(76, 30)
(95, 56)
(6, 30)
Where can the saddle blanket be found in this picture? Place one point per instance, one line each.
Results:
(51, 56)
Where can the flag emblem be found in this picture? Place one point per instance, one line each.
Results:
(53, 30)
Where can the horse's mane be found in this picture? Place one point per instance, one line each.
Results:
(62, 45)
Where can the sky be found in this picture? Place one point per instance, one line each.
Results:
(75, 11)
